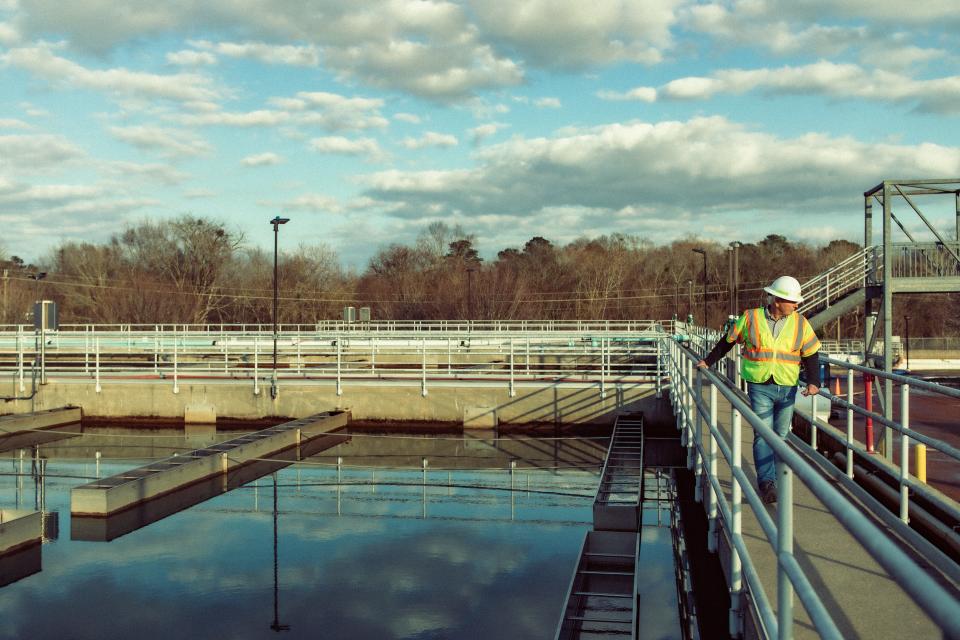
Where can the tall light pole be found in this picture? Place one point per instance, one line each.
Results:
(276, 222)
(735, 277)
(703, 252)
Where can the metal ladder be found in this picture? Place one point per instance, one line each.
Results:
(617, 504)
(602, 597)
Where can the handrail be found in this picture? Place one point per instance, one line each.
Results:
(600, 354)
(707, 337)
(850, 273)
(927, 592)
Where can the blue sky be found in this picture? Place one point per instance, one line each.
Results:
(365, 121)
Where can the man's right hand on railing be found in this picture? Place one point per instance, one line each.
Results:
(702, 365)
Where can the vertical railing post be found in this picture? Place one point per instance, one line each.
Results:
(526, 358)
(97, 364)
(423, 367)
(176, 385)
(339, 365)
(256, 365)
(713, 536)
(737, 382)
(20, 357)
(813, 422)
(784, 551)
(687, 439)
(603, 378)
(513, 390)
(849, 444)
(904, 453)
(736, 567)
(698, 440)
(86, 349)
(659, 381)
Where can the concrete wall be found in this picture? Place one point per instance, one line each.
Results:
(388, 401)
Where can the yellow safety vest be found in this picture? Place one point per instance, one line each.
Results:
(764, 356)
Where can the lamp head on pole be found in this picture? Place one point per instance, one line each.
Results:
(276, 222)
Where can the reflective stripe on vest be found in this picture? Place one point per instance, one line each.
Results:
(765, 356)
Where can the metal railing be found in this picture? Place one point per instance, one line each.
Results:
(847, 275)
(361, 327)
(925, 260)
(513, 353)
(693, 412)
(908, 260)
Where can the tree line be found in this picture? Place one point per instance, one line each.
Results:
(197, 270)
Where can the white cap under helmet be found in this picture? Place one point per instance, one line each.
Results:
(786, 288)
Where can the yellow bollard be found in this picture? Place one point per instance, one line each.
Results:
(921, 460)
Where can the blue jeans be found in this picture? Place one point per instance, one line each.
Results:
(773, 403)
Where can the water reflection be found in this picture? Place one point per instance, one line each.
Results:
(464, 548)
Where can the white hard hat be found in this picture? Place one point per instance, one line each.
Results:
(786, 288)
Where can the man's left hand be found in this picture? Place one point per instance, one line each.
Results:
(811, 390)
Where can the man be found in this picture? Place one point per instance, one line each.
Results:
(777, 340)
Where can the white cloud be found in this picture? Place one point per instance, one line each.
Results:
(9, 36)
(13, 123)
(430, 139)
(160, 173)
(261, 160)
(180, 87)
(891, 57)
(482, 132)
(41, 212)
(940, 95)
(314, 202)
(755, 25)
(442, 71)
(639, 94)
(340, 145)
(407, 117)
(28, 153)
(292, 55)
(199, 194)
(430, 49)
(191, 58)
(53, 193)
(169, 142)
(34, 111)
(572, 33)
(259, 118)
(547, 103)
(701, 167)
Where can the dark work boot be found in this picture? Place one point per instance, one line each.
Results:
(768, 492)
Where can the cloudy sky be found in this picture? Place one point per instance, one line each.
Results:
(364, 121)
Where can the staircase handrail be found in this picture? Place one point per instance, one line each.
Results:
(851, 273)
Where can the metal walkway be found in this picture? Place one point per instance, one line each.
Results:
(601, 600)
(618, 587)
(617, 504)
